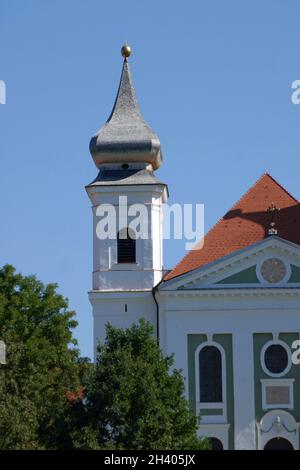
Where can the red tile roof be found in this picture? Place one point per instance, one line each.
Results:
(246, 223)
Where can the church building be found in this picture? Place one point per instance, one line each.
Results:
(229, 311)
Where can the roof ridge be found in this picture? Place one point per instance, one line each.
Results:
(281, 186)
(256, 183)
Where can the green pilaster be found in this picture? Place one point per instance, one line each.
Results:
(259, 340)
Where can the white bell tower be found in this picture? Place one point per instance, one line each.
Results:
(127, 201)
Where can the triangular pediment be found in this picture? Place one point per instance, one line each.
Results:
(273, 262)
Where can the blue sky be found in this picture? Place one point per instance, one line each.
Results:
(213, 79)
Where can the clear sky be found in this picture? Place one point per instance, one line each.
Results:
(213, 79)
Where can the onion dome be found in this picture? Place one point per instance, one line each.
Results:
(126, 138)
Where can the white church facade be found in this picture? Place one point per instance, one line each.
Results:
(230, 311)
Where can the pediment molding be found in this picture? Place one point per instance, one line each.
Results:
(209, 275)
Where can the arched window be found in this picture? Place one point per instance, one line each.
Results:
(215, 443)
(278, 443)
(126, 246)
(210, 374)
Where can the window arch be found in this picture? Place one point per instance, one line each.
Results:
(210, 374)
(278, 443)
(278, 424)
(204, 381)
(215, 443)
(126, 243)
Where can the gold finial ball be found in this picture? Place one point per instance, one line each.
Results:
(126, 51)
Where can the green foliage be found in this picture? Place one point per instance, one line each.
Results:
(42, 364)
(134, 401)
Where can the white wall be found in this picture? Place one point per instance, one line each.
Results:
(242, 315)
(148, 269)
(110, 308)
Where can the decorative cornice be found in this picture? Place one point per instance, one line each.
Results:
(234, 292)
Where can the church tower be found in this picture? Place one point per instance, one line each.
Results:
(127, 201)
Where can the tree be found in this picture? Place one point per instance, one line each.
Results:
(43, 365)
(50, 398)
(134, 400)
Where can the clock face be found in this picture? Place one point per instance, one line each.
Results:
(273, 270)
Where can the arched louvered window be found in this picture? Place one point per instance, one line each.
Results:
(126, 246)
(210, 374)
